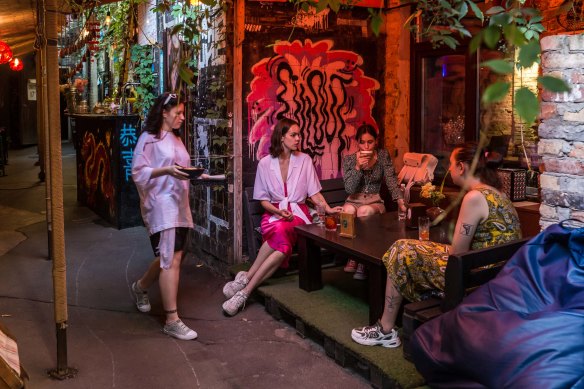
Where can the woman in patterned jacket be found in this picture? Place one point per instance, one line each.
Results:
(363, 173)
(487, 218)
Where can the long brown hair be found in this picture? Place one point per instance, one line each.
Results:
(487, 163)
(153, 122)
(366, 129)
(280, 129)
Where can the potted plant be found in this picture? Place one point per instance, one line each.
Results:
(430, 192)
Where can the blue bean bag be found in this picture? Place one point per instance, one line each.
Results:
(523, 329)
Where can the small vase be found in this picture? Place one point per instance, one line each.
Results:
(434, 212)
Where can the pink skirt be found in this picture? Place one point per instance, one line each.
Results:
(280, 234)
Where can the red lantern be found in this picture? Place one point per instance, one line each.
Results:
(16, 64)
(5, 52)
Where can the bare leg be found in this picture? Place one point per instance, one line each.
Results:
(393, 300)
(348, 208)
(151, 275)
(263, 254)
(267, 268)
(168, 282)
(366, 210)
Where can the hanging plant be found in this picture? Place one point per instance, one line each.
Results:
(142, 62)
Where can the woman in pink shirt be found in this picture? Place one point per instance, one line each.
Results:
(284, 179)
(164, 202)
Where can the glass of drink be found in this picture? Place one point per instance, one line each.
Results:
(330, 223)
(320, 211)
(424, 228)
(401, 215)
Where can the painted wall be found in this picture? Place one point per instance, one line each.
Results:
(326, 73)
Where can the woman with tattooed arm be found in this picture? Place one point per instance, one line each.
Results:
(487, 218)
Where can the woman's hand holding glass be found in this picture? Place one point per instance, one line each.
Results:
(363, 159)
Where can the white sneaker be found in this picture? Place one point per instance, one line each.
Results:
(178, 329)
(141, 298)
(236, 285)
(360, 274)
(373, 336)
(235, 303)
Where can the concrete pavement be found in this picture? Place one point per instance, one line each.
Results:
(109, 341)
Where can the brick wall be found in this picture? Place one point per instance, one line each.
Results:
(147, 22)
(561, 131)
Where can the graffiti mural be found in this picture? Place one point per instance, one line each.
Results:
(96, 160)
(326, 91)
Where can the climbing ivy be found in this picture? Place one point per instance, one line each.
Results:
(143, 72)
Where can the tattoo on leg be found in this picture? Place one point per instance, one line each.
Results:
(466, 229)
(391, 302)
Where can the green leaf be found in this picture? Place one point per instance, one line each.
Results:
(495, 10)
(529, 53)
(475, 42)
(500, 20)
(477, 11)
(376, 22)
(462, 10)
(492, 34)
(536, 19)
(176, 29)
(526, 105)
(450, 41)
(335, 5)
(495, 92)
(514, 34)
(554, 84)
(499, 66)
(322, 4)
(186, 74)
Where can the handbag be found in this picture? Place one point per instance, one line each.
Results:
(418, 169)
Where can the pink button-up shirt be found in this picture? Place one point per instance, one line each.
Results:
(164, 200)
(301, 182)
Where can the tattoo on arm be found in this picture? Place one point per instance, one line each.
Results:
(466, 229)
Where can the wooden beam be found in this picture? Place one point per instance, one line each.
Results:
(238, 37)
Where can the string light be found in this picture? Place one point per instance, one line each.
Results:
(16, 64)
(5, 52)
(108, 19)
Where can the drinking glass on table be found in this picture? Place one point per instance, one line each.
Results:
(424, 228)
(321, 212)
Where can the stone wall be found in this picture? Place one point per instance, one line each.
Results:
(561, 131)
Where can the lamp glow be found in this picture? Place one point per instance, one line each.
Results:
(108, 19)
(16, 64)
(5, 52)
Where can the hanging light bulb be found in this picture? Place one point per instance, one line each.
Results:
(194, 3)
(108, 19)
(5, 52)
(16, 64)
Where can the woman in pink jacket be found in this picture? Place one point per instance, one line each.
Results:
(164, 202)
(284, 179)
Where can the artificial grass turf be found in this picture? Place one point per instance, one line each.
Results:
(336, 309)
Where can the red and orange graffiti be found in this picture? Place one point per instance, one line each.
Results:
(96, 158)
(324, 90)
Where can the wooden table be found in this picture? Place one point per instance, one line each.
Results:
(375, 234)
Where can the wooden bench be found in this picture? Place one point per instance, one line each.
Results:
(333, 191)
(464, 273)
